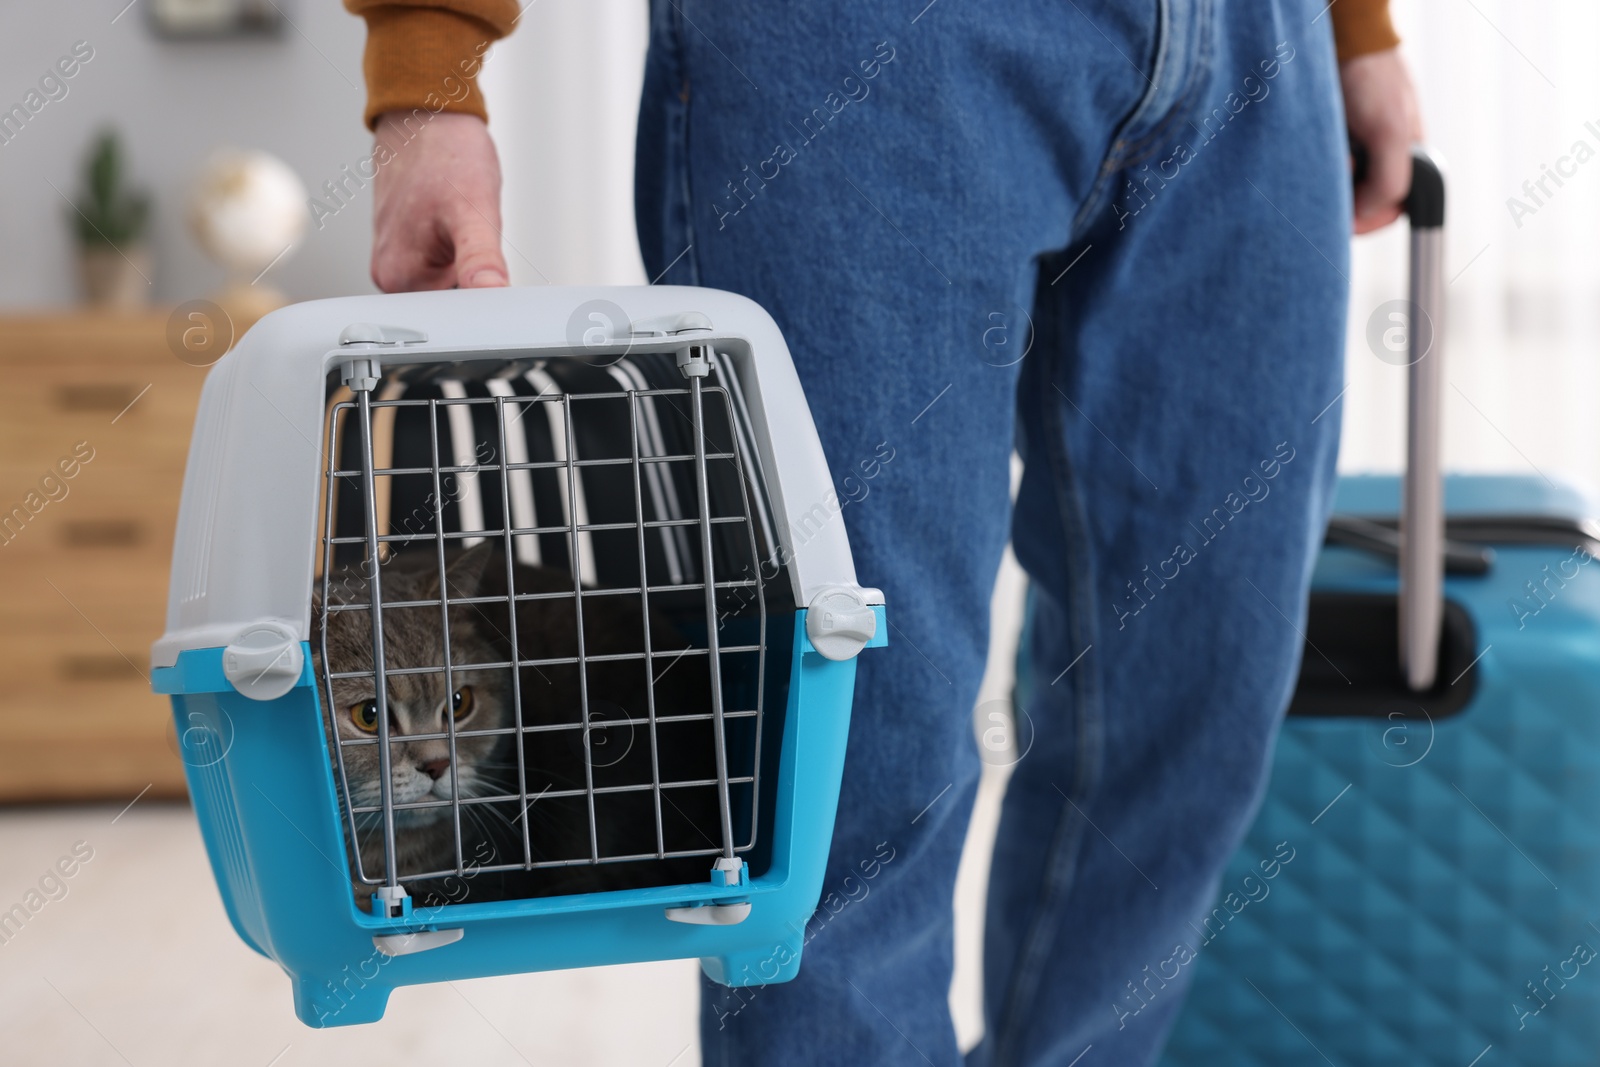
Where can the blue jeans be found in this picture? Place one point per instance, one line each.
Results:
(1112, 234)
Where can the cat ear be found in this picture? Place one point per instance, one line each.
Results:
(465, 573)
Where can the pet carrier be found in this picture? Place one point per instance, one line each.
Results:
(510, 630)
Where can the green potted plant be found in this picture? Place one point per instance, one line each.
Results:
(110, 221)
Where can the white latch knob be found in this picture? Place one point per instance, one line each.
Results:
(417, 941)
(670, 325)
(839, 622)
(264, 662)
(711, 914)
(376, 333)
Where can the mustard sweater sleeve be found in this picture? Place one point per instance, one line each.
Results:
(1361, 26)
(427, 53)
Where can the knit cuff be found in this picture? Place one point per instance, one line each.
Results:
(423, 57)
(1362, 26)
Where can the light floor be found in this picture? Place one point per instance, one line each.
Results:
(137, 965)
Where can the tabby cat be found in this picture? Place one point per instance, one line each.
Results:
(545, 783)
(420, 772)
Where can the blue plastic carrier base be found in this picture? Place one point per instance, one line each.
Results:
(1442, 905)
(259, 775)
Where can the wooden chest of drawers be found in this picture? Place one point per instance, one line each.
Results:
(95, 416)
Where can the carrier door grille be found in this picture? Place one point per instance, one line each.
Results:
(553, 670)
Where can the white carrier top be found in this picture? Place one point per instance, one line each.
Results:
(248, 535)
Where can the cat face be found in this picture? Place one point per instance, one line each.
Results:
(420, 771)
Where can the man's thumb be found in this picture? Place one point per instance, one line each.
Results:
(479, 261)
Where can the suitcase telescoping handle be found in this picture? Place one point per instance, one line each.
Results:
(1422, 547)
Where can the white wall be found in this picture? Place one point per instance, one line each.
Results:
(1507, 87)
(563, 94)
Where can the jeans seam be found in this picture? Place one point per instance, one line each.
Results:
(1091, 202)
(1066, 842)
(1123, 151)
(1182, 108)
(1157, 72)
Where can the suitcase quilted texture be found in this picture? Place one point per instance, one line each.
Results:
(1442, 905)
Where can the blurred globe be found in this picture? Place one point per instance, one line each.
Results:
(246, 209)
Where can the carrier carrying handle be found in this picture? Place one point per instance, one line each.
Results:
(1422, 549)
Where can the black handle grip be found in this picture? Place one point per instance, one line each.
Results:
(1360, 161)
(1425, 201)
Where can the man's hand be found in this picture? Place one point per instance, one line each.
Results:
(1380, 108)
(436, 208)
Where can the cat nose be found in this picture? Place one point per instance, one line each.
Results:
(435, 768)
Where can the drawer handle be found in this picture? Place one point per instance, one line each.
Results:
(95, 668)
(97, 397)
(102, 533)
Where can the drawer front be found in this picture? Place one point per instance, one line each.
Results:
(98, 516)
(69, 625)
(79, 719)
(94, 433)
(125, 416)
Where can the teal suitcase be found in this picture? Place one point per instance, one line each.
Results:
(1435, 862)
(1422, 883)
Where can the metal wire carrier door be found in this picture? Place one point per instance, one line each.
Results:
(543, 623)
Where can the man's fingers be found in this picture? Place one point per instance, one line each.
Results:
(1378, 199)
(407, 268)
(1377, 220)
(479, 261)
(413, 281)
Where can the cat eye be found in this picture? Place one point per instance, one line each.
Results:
(461, 703)
(365, 715)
